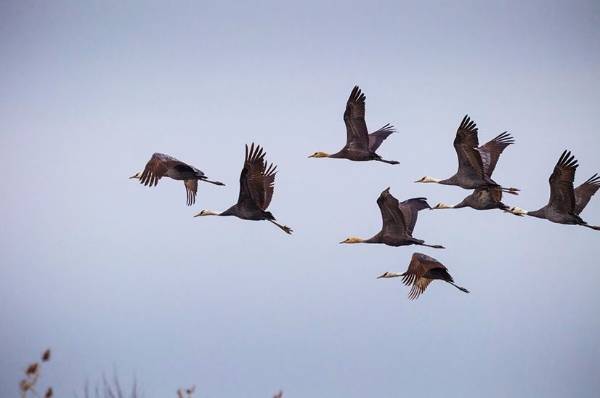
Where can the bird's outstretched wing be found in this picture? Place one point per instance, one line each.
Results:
(357, 135)
(157, 167)
(562, 194)
(410, 209)
(377, 137)
(191, 187)
(420, 265)
(465, 144)
(392, 218)
(257, 180)
(585, 191)
(490, 151)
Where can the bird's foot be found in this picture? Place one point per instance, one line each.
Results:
(287, 229)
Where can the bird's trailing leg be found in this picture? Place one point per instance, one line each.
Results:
(512, 191)
(214, 182)
(388, 161)
(594, 227)
(462, 289)
(284, 228)
(432, 246)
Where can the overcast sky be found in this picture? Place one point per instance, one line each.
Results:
(114, 275)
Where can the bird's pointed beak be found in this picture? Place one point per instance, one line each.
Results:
(198, 215)
(311, 156)
(380, 276)
(133, 176)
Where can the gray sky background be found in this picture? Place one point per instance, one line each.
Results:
(111, 274)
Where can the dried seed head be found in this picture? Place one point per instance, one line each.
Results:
(46, 355)
(49, 393)
(32, 369)
(25, 385)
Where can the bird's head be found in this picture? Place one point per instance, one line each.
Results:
(136, 175)
(517, 211)
(389, 275)
(319, 155)
(441, 206)
(428, 179)
(206, 213)
(352, 239)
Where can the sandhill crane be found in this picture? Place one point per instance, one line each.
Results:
(566, 203)
(421, 271)
(488, 197)
(360, 145)
(485, 198)
(475, 164)
(161, 165)
(399, 220)
(257, 181)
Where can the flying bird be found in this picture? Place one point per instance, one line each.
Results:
(161, 165)
(475, 163)
(399, 220)
(487, 197)
(421, 271)
(360, 145)
(566, 203)
(257, 181)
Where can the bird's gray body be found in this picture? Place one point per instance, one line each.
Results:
(257, 182)
(486, 198)
(476, 163)
(360, 145)
(421, 271)
(161, 165)
(399, 220)
(566, 202)
(551, 214)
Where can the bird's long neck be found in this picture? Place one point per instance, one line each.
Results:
(537, 214)
(232, 211)
(461, 205)
(442, 206)
(374, 239)
(337, 155)
(448, 181)
(207, 213)
(393, 275)
(359, 240)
